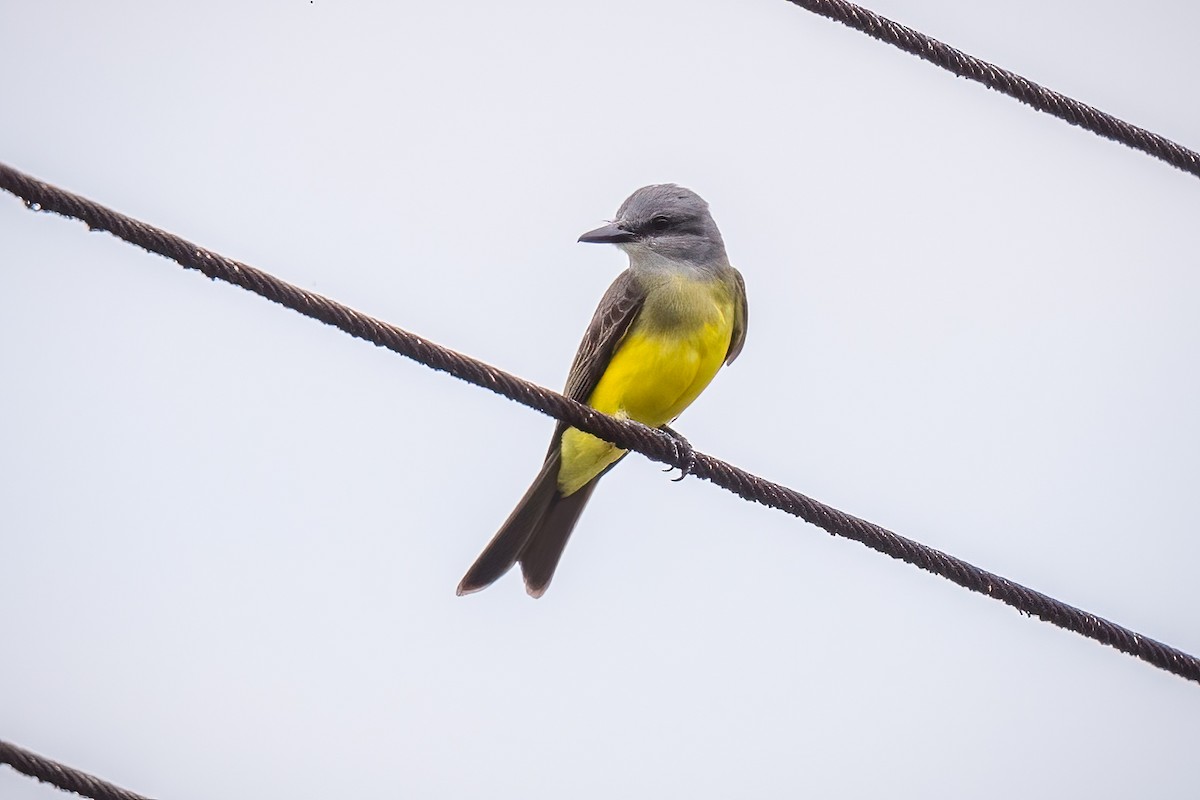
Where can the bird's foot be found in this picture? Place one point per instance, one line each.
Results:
(683, 451)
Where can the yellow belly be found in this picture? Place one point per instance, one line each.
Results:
(655, 373)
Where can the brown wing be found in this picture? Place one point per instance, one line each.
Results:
(537, 530)
(614, 315)
(740, 315)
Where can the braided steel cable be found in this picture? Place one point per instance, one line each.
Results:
(627, 434)
(1006, 82)
(66, 778)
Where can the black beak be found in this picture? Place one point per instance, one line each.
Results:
(609, 234)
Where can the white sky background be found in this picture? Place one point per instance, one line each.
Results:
(231, 535)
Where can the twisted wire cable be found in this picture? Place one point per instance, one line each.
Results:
(627, 434)
(1006, 82)
(66, 778)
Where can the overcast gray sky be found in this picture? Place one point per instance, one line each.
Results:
(231, 535)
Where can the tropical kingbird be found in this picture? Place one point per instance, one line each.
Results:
(659, 335)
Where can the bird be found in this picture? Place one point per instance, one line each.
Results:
(661, 332)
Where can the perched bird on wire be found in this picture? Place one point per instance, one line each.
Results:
(659, 335)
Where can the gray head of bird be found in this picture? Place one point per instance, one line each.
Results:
(664, 222)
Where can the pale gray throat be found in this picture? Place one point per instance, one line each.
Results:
(645, 261)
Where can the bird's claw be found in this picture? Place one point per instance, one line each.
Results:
(683, 451)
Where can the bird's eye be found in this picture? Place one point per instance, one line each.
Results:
(660, 222)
